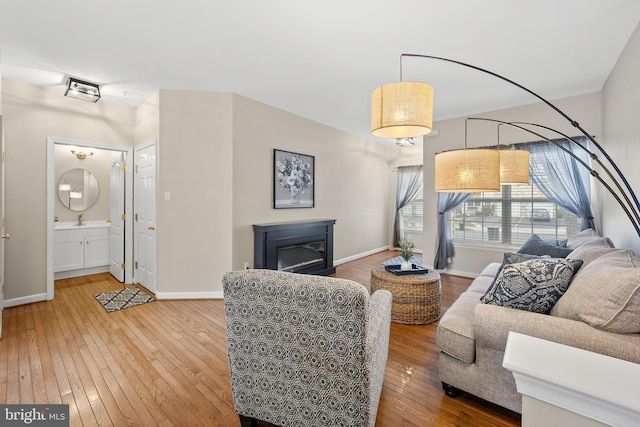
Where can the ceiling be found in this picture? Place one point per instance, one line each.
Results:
(319, 59)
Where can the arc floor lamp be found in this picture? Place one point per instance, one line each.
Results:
(405, 110)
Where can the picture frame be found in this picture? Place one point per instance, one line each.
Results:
(293, 180)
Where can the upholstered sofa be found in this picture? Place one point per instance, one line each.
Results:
(305, 350)
(597, 309)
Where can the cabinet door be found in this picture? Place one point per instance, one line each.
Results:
(96, 251)
(68, 253)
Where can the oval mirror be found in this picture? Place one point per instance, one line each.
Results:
(78, 189)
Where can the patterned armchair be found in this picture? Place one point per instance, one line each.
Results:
(305, 350)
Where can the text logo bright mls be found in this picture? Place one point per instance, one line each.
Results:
(34, 415)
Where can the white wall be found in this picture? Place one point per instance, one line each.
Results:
(470, 260)
(621, 112)
(147, 123)
(194, 230)
(351, 179)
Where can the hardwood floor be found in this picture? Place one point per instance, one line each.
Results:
(165, 363)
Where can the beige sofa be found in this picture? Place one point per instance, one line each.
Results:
(599, 312)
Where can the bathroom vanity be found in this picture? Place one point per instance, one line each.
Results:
(80, 250)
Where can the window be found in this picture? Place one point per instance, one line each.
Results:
(412, 220)
(407, 223)
(509, 217)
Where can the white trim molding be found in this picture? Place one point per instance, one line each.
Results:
(360, 255)
(29, 299)
(575, 386)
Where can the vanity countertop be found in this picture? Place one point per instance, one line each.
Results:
(72, 225)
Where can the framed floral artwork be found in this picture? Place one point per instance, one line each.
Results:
(293, 180)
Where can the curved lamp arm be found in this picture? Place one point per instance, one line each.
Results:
(569, 119)
(594, 157)
(628, 210)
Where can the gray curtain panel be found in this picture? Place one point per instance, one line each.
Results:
(408, 186)
(444, 250)
(561, 178)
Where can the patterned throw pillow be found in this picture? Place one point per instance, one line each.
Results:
(537, 246)
(509, 258)
(534, 285)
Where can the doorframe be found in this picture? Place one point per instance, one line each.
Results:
(51, 212)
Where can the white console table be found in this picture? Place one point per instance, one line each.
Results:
(567, 386)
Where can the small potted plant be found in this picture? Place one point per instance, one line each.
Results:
(406, 252)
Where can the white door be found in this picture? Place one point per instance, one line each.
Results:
(145, 217)
(2, 225)
(117, 229)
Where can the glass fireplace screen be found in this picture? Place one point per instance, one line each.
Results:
(296, 258)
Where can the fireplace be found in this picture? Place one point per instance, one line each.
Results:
(297, 247)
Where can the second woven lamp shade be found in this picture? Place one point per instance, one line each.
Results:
(472, 170)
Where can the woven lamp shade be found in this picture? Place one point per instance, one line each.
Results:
(467, 171)
(514, 167)
(402, 110)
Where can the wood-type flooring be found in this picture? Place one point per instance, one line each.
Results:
(165, 363)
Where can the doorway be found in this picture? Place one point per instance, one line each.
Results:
(126, 187)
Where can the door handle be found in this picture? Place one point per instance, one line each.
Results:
(152, 227)
(109, 221)
(6, 236)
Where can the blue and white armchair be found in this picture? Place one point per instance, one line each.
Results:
(305, 350)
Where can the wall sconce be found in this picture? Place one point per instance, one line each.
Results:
(81, 154)
(82, 90)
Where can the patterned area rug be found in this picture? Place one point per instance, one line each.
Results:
(122, 298)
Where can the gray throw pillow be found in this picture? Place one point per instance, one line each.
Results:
(534, 285)
(537, 246)
(592, 250)
(606, 295)
(581, 238)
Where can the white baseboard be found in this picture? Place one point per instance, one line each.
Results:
(360, 255)
(460, 273)
(25, 300)
(81, 272)
(189, 295)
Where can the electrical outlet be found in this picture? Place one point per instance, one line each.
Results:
(246, 265)
(359, 240)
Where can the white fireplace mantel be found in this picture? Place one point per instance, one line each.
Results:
(562, 385)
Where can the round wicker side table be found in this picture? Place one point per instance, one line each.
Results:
(416, 297)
